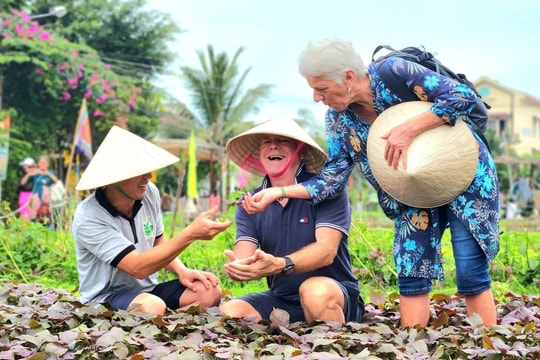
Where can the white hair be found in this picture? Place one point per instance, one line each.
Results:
(330, 59)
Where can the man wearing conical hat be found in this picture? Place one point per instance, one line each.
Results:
(119, 233)
(300, 248)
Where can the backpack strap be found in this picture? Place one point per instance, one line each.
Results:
(379, 48)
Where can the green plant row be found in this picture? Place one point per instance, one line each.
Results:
(31, 253)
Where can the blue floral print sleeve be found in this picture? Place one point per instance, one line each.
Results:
(417, 231)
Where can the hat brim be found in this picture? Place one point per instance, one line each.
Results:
(123, 155)
(441, 162)
(245, 147)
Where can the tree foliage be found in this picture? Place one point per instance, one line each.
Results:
(132, 39)
(47, 67)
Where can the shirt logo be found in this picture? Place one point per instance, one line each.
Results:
(148, 227)
(304, 220)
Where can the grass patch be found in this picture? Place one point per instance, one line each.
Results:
(33, 254)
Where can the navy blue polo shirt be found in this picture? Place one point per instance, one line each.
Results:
(282, 230)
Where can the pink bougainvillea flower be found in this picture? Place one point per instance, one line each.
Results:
(31, 31)
(93, 78)
(108, 66)
(25, 16)
(20, 31)
(66, 96)
(75, 54)
(40, 72)
(44, 36)
(88, 94)
(132, 102)
(97, 113)
(106, 87)
(73, 82)
(101, 98)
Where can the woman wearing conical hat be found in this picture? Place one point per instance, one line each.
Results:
(421, 201)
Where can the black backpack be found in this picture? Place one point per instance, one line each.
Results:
(478, 116)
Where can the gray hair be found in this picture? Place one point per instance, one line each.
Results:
(330, 59)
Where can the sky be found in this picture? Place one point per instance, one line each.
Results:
(494, 38)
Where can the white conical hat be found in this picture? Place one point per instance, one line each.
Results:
(441, 162)
(247, 145)
(123, 155)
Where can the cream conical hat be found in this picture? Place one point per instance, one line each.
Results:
(123, 155)
(441, 162)
(245, 146)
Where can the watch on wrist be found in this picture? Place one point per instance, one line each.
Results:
(289, 267)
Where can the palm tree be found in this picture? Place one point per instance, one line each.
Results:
(219, 101)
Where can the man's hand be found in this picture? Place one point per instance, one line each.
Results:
(189, 276)
(253, 267)
(204, 228)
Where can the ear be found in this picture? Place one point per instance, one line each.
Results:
(350, 76)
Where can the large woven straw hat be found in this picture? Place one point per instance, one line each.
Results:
(441, 162)
(245, 147)
(123, 155)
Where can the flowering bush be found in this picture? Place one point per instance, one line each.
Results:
(65, 68)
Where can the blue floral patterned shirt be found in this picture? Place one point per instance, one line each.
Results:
(418, 232)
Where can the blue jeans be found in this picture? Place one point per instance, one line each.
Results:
(472, 265)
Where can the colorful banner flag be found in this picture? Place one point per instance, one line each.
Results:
(192, 168)
(82, 143)
(4, 146)
(84, 135)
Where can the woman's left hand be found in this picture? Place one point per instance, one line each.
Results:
(398, 140)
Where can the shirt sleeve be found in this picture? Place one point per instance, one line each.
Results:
(245, 227)
(333, 178)
(451, 99)
(335, 213)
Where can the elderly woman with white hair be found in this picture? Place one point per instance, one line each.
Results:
(357, 96)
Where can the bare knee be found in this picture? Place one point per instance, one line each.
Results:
(238, 308)
(148, 303)
(211, 297)
(203, 297)
(319, 290)
(322, 299)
